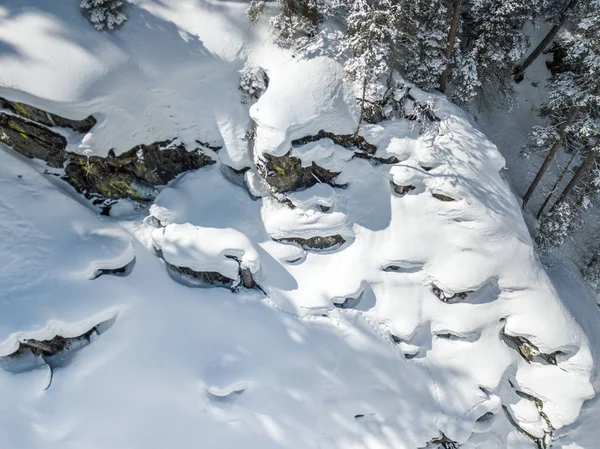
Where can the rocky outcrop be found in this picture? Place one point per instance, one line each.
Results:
(349, 141)
(402, 190)
(286, 174)
(133, 174)
(47, 118)
(318, 242)
(33, 140)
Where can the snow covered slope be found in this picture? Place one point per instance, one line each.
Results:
(401, 305)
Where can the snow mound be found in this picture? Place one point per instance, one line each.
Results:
(206, 249)
(316, 103)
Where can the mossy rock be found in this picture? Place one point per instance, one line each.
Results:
(133, 174)
(47, 118)
(286, 174)
(33, 140)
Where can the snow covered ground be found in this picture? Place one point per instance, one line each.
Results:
(432, 320)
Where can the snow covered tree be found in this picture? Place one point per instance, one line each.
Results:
(297, 21)
(555, 227)
(369, 43)
(253, 83)
(104, 14)
(573, 107)
(557, 12)
(491, 42)
(423, 42)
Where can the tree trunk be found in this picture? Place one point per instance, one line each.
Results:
(519, 72)
(556, 184)
(451, 39)
(591, 156)
(542, 170)
(549, 159)
(362, 107)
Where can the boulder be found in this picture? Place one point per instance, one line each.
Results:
(47, 118)
(33, 140)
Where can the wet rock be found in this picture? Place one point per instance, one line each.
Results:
(33, 140)
(286, 174)
(318, 242)
(47, 118)
(345, 140)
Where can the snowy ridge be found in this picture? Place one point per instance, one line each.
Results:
(433, 321)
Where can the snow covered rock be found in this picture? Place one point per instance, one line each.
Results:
(434, 323)
(203, 251)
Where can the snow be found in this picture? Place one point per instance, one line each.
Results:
(206, 249)
(317, 102)
(287, 367)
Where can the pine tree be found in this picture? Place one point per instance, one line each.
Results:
(491, 42)
(573, 107)
(104, 14)
(297, 22)
(555, 227)
(423, 42)
(368, 42)
(556, 12)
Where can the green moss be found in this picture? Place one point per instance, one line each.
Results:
(21, 109)
(279, 170)
(17, 128)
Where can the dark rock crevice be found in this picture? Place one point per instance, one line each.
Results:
(316, 243)
(286, 174)
(349, 141)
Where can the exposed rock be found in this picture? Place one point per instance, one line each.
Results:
(247, 279)
(402, 190)
(94, 177)
(286, 174)
(121, 272)
(448, 297)
(318, 242)
(442, 197)
(133, 174)
(376, 160)
(33, 140)
(528, 350)
(205, 277)
(344, 140)
(444, 442)
(47, 118)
